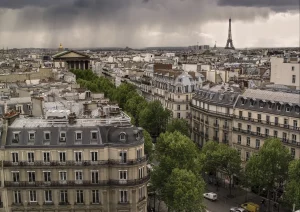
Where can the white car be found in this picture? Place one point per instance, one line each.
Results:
(211, 196)
(236, 209)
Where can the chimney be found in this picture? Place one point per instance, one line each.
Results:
(10, 116)
(72, 118)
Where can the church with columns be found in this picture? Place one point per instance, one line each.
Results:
(71, 59)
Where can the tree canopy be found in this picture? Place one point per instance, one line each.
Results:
(269, 166)
(180, 125)
(292, 194)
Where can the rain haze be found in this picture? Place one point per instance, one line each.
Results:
(147, 23)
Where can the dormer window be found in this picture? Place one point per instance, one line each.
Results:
(137, 136)
(243, 101)
(31, 136)
(270, 105)
(62, 137)
(287, 109)
(78, 135)
(278, 107)
(297, 109)
(16, 137)
(94, 135)
(252, 102)
(122, 136)
(47, 136)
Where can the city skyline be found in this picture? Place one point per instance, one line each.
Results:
(147, 23)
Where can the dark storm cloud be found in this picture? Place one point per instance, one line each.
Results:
(273, 4)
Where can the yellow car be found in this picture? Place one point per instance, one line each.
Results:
(250, 206)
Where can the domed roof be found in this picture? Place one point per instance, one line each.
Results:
(60, 46)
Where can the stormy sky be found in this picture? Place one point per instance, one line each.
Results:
(147, 23)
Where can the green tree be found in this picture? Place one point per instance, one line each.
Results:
(173, 150)
(179, 125)
(184, 191)
(134, 105)
(209, 157)
(292, 195)
(229, 162)
(148, 144)
(154, 118)
(269, 166)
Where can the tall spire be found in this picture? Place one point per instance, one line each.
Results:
(229, 43)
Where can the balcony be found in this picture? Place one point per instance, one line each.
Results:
(74, 163)
(210, 111)
(267, 122)
(75, 184)
(225, 127)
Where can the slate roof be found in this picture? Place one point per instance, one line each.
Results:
(106, 135)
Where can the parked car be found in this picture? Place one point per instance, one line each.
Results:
(237, 209)
(250, 206)
(211, 196)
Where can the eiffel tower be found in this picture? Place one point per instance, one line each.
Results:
(229, 44)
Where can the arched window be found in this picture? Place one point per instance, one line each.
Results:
(122, 136)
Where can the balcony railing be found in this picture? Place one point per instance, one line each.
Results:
(267, 122)
(73, 183)
(76, 163)
(211, 112)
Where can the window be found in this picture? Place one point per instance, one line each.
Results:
(293, 78)
(294, 138)
(46, 136)
(46, 157)
(123, 175)
(178, 115)
(62, 157)
(278, 107)
(95, 197)
(275, 134)
(259, 117)
(47, 176)
(78, 175)
(276, 120)
(225, 123)
(16, 137)
(247, 156)
(32, 196)
(62, 137)
(293, 152)
(293, 68)
(187, 97)
(270, 104)
(30, 157)
(78, 135)
(251, 102)
(287, 109)
(240, 114)
(239, 139)
(48, 196)
(63, 194)
(94, 135)
(257, 143)
(295, 124)
(123, 156)
(267, 131)
(17, 197)
(268, 119)
(239, 126)
(248, 141)
(79, 196)
(31, 136)
(141, 172)
(139, 153)
(243, 101)
(62, 175)
(78, 156)
(15, 176)
(284, 135)
(122, 136)
(31, 176)
(141, 192)
(15, 157)
(94, 156)
(249, 115)
(123, 196)
(95, 176)
(258, 130)
(286, 123)
(248, 128)
(187, 107)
